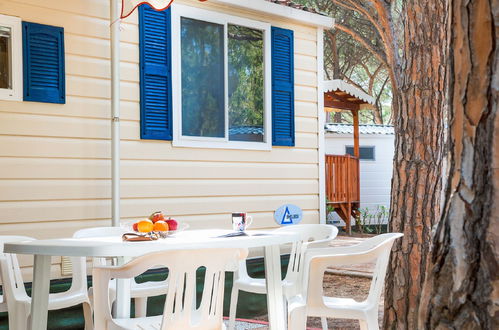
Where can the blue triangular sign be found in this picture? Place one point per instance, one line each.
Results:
(286, 219)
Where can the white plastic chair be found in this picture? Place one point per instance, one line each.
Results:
(139, 291)
(19, 303)
(3, 303)
(312, 302)
(180, 310)
(312, 235)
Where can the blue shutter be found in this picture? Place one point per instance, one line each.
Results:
(155, 74)
(43, 61)
(283, 100)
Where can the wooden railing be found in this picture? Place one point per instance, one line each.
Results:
(342, 179)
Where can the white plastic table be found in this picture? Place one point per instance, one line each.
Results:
(115, 247)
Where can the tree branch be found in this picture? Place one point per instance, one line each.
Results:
(363, 41)
(358, 8)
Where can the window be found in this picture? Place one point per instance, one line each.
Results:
(221, 65)
(365, 153)
(10, 58)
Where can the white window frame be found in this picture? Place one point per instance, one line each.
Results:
(16, 92)
(178, 11)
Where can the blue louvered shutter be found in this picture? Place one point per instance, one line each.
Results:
(155, 74)
(283, 103)
(43, 63)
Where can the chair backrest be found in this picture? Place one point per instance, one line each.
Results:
(12, 280)
(97, 232)
(180, 310)
(310, 234)
(79, 282)
(376, 249)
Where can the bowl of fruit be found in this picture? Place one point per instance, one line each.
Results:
(159, 225)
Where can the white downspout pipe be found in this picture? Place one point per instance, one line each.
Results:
(115, 111)
(122, 307)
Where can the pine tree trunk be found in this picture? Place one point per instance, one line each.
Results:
(420, 102)
(462, 286)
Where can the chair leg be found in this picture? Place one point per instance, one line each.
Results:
(324, 323)
(141, 307)
(19, 315)
(372, 320)
(233, 307)
(297, 319)
(87, 314)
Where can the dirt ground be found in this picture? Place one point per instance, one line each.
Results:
(342, 286)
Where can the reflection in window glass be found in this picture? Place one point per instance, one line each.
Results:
(245, 62)
(5, 57)
(365, 153)
(202, 52)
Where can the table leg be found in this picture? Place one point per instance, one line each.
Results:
(122, 303)
(275, 303)
(40, 293)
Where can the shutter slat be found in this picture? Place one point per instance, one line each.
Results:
(155, 74)
(283, 121)
(43, 59)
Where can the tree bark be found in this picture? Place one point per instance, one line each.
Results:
(462, 287)
(420, 95)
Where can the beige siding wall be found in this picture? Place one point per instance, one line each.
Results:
(55, 159)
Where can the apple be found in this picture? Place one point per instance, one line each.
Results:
(172, 224)
(157, 216)
(135, 226)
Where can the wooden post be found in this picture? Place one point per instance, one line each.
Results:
(355, 114)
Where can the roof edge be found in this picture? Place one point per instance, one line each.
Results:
(338, 84)
(275, 9)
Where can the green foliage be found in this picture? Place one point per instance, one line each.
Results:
(371, 222)
(347, 57)
(202, 48)
(246, 74)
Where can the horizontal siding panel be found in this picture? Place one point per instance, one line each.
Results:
(305, 47)
(98, 48)
(100, 88)
(73, 23)
(308, 94)
(307, 63)
(99, 68)
(181, 170)
(305, 109)
(27, 146)
(32, 125)
(306, 140)
(139, 208)
(25, 190)
(306, 78)
(75, 107)
(306, 125)
(95, 8)
(36, 168)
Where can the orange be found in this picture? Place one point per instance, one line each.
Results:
(145, 226)
(160, 226)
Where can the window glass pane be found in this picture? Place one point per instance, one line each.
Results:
(5, 57)
(202, 51)
(246, 110)
(365, 153)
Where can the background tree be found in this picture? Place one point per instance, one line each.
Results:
(354, 52)
(461, 290)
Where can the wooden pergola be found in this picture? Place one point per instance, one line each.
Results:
(343, 171)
